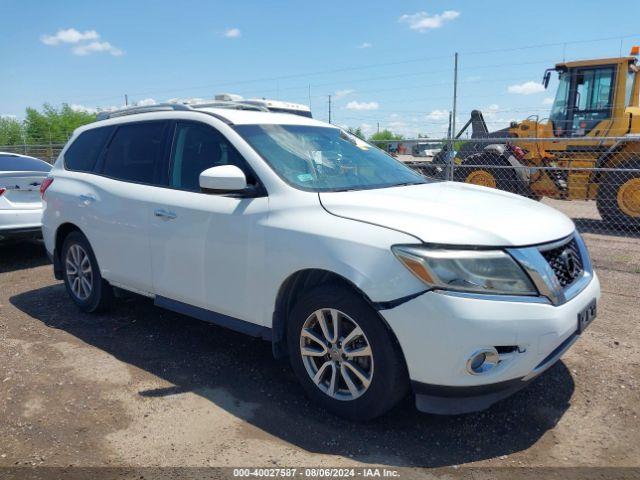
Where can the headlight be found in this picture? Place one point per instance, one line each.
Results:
(481, 271)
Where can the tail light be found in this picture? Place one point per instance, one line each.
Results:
(2, 190)
(46, 183)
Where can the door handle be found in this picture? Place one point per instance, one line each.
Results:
(165, 214)
(87, 199)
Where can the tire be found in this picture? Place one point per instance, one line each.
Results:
(88, 290)
(384, 367)
(618, 195)
(490, 170)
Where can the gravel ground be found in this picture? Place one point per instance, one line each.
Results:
(140, 386)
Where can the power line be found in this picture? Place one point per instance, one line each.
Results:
(366, 66)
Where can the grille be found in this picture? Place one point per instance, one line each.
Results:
(566, 262)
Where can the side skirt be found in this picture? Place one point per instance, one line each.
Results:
(219, 319)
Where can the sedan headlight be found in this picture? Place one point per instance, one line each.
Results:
(480, 271)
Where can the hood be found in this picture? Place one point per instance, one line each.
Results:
(453, 213)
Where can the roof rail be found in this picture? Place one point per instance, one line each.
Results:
(160, 107)
(232, 105)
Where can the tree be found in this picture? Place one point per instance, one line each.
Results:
(357, 132)
(379, 137)
(10, 131)
(53, 125)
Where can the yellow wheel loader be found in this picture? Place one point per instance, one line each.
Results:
(589, 148)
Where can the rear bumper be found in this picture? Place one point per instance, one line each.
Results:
(16, 223)
(18, 233)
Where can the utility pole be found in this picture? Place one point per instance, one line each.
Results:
(452, 121)
(378, 127)
(455, 95)
(329, 108)
(309, 96)
(126, 100)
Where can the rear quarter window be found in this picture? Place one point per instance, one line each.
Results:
(84, 152)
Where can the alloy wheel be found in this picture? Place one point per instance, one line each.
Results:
(79, 273)
(336, 354)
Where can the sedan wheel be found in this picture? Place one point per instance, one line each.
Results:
(336, 354)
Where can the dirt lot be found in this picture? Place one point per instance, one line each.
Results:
(141, 386)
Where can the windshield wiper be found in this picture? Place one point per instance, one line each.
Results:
(407, 183)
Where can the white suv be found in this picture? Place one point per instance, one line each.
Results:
(373, 279)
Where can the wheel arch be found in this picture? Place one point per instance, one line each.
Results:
(621, 152)
(291, 290)
(62, 232)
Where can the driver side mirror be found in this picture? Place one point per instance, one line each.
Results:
(546, 78)
(224, 178)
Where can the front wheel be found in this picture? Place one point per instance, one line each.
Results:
(618, 198)
(343, 354)
(82, 278)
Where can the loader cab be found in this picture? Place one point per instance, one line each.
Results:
(592, 96)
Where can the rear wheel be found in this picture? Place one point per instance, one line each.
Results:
(343, 354)
(618, 197)
(81, 274)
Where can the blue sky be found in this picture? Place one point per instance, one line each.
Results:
(386, 62)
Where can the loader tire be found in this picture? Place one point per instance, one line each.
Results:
(490, 170)
(618, 197)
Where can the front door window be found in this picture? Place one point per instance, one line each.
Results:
(594, 98)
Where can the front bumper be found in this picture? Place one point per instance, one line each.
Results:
(439, 331)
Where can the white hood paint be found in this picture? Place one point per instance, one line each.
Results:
(453, 213)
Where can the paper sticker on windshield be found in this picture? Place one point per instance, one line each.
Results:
(305, 177)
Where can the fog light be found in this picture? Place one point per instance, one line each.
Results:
(482, 361)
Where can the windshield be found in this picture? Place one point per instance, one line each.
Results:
(324, 159)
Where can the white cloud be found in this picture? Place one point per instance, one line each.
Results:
(342, 93)
(96, 47)
(367, 129)
(423, 22)
(547, 101)
(438, 115)
(365, 45)
(396, 125)
(491, 110)
(232, 33)
(70, 35)
(77, 38)
(526, 88)
(362, 105)
(81, 108)
(145, 102)
(187, 100)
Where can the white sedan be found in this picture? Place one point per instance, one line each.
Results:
(20, 202)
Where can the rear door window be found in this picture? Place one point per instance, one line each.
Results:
(136, 153)
(84, 152)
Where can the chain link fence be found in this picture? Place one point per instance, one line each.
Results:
(595, 181)
(47, 152)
